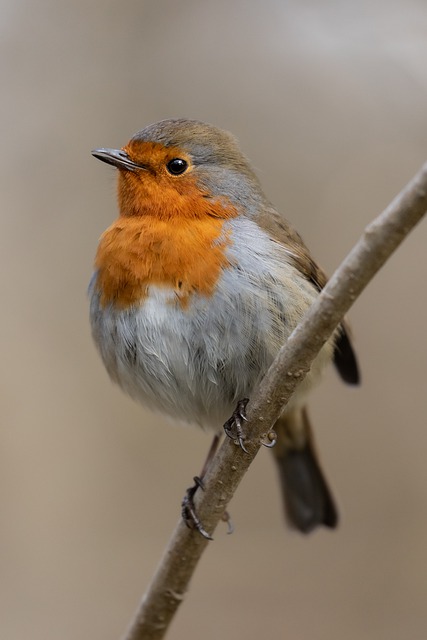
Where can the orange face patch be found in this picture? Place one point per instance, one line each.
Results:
(170, 233)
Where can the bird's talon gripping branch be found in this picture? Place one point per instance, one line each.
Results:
(188, 510)
(233, 428)
(269, 439)
(240, 440)
(198, 482)
(227, 519)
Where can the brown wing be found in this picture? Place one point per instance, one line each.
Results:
(280, 230)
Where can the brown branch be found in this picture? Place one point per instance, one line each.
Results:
(185, 548)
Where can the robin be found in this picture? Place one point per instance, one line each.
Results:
(197, 285)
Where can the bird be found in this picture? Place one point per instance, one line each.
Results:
(197, 285)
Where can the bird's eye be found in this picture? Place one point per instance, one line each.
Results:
(177, 166)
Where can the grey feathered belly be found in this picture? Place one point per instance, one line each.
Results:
(194, 363)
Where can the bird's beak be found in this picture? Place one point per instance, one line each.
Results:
(117, 158)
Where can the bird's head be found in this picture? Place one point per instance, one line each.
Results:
(183, 168)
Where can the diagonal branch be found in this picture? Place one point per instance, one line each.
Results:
(186, 546)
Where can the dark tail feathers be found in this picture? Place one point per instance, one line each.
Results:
(307, 498)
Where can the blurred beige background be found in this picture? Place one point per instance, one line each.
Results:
(329, 100)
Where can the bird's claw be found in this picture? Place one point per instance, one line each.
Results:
(233, 428)
(269, 439)
(227, 518)
(188, 510)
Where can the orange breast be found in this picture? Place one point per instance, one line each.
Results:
(186, 255)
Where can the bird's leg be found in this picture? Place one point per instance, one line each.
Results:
(234, 426)
(188, 510)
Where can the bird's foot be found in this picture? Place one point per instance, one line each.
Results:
(234, 426)
(188, 510)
